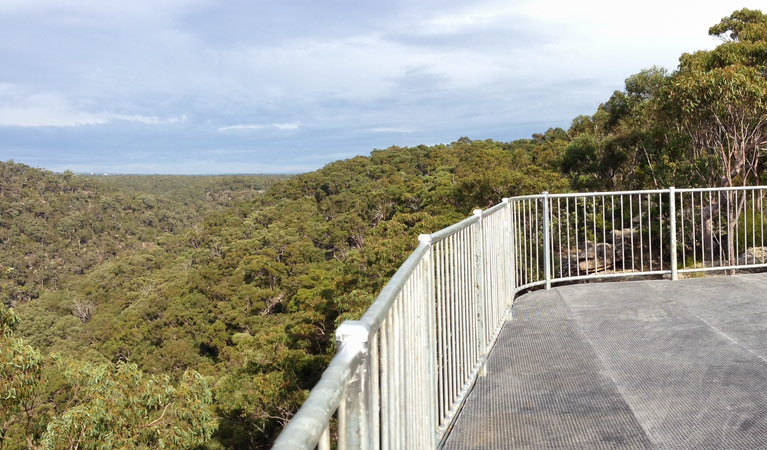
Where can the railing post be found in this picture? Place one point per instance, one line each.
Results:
(508, 256)
(546, 241)
(353, 413)
(430, 350)
(672, 223)
(479, 289)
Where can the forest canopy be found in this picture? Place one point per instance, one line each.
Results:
(210, 303)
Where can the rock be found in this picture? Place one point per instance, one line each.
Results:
(582, 260)
(622, 239)
(592, 266)
(624, 234)
(754, 255)
(600, 257)
(589, 258)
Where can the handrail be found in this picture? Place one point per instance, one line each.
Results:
(452, 229)
(309, 425)
(403, 371)
(376, 313)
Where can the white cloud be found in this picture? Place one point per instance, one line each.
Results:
(18, 108)
(149, 120)
(287, 126)
(255, 126)
(35, 116)
(117, 10)
(389, 130)
(40, 110)
(242, 127)
(468, 18)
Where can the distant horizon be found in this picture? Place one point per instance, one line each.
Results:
(244, 174)
(186, 87)
(118, 174)
(104, 173)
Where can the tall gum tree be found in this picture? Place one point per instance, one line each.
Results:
(719, 99)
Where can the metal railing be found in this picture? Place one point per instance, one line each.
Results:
(402, 372)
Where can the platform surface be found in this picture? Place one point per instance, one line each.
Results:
(626, 365)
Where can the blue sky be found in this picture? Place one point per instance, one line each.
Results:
(205, 86)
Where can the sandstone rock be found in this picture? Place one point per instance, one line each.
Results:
(754, 255)
(623, 241)
(590, 257)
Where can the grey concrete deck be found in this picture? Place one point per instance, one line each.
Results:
(634, 365)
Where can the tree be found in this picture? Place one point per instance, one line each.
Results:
(121, 407)
(720, 100)
(58, 403)
(20, 369)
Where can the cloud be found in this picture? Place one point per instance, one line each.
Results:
(388, 130)
(287, 126)
(20, 108)
(478, 16)
(242, 127)
(149, 120)
(181, 77)
(40, 116)
(62, 115)
(254, 126)
(44, 110)
(101, 9)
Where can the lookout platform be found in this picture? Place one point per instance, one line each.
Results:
(627, 365)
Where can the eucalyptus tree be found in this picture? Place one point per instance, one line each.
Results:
(50, 402)
(626, 143)
(719, 98)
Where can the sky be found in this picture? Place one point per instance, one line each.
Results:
(262, 86)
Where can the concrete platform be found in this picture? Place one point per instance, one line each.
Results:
(627, 365)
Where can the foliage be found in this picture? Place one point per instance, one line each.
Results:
(703, 124)
(53, 226)
(195, 194)
(122, 407)
(720, 97)
(750, 230)
(20, 368)
(54, 403)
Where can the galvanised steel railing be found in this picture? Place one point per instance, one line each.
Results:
(402, 372)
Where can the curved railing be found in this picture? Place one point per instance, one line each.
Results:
(402, 372)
